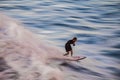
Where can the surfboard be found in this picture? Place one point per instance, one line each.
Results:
(77, 58)
(72, 58)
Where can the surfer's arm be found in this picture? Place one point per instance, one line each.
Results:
(74, 44)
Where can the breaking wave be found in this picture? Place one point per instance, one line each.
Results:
(23, 56)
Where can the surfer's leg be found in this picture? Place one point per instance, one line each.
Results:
(66, 53)
(71, 53)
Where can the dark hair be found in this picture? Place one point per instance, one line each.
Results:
(75, 38)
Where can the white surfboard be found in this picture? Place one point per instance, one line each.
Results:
(77, 58)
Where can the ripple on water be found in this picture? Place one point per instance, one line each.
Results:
(116, 46)
(59, 20)
(111, 53)
(74, 26)
(117, 33)
(114, 71)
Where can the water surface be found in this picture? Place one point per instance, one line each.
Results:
(95, 23)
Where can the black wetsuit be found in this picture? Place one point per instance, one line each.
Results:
(68, 45)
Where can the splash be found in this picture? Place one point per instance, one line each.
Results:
(23, 56)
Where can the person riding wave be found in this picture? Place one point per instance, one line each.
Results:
(68, 47)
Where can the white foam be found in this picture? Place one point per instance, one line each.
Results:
(25, 52)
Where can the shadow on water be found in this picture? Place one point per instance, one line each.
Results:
(81, 69)
(7, 71)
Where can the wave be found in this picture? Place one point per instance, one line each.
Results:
(23, 56)
(26, 56)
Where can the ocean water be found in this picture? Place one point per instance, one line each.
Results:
(95, 23)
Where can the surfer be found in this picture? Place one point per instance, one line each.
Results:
(68, 47)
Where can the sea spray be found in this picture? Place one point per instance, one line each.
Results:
(24, 54)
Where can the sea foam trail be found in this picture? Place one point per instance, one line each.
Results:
(22, 55)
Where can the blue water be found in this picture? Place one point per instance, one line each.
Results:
(95, 23)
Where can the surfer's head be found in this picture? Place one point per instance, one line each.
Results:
(74, 39)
